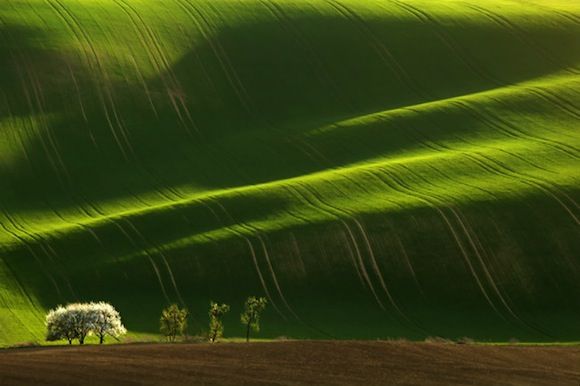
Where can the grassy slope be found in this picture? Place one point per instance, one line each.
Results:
(403, 166)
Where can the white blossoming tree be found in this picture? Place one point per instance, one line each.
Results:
(82, 320)
(106, 320)
(79, 320)
(60, 325)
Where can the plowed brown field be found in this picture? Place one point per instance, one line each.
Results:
(292, 363)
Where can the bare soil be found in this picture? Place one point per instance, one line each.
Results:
(292, 363)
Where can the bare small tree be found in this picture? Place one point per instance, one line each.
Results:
(173, 322)
(251, 315)
(216, 325)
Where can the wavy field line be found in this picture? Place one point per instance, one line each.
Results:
(518, 32)
(84, 40)
(383, 52)
(360, 168)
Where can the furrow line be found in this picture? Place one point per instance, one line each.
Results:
(23, 77)
(438, 29)
(515, 132)
(407, 260)
(518, 33)
(314, 59)
(489, 276)
(535, 181)
(480, 250)
(218, 51)
(151, 246)
(334, 218)
(360, 267)
(250, 247)
(40, 243)
(575, 19)
(512, 173)
(383, 52)
(516, 173)
(159, 59)
(149, 258)
(256, 234)
(556, 100)
(85, 42)
(373, 260)
(30, 249)
(430, 202)
(467, 59)
(159, 188)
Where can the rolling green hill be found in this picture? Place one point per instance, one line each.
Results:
(375, 168)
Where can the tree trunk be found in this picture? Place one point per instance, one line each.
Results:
(101, 339)
(70, 341)
(81, 340)
(248, 333)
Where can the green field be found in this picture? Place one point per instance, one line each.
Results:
(375, 168)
